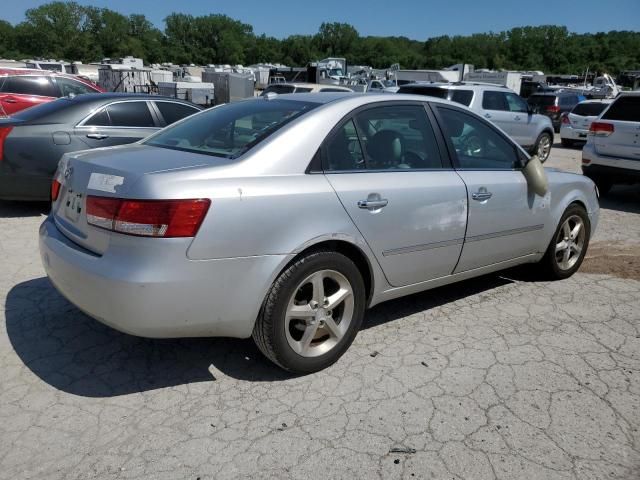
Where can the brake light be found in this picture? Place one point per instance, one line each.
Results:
(148, 218)
(601, 129)
(565, 120)
(553, 109)
(55, 189)
(4, 133)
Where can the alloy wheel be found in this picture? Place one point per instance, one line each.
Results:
(544, 148)
(319, 313)
(569, 242)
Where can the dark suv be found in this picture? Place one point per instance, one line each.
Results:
(554, 104)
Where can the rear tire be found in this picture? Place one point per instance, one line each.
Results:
(543, 146)
(568, 246)
(312, 313)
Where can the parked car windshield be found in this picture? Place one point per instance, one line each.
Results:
(230, 130)
(589, 109)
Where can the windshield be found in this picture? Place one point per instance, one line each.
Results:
(589, 109)
(230, 130)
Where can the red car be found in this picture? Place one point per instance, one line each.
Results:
(24, 88)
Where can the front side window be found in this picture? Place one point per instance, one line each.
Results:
(478, 146)
(230, 130)
(516, 103)
(30, 85)
(494, 101)
(398, 137)
(130, 114)
(72, 87)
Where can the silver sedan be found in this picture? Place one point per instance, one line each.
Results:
(285, 217)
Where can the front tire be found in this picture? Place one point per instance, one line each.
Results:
(568, 245)
(312, 313)
(543, 146)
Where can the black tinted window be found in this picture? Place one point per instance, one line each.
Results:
(462, 96)
(589, 109)
(29, 85)
(541, 100)
(626, 108)
(172, 112)
(130, 114)
(398, 137)
(478, 146)
(429, 91)
(494, 101)
(73, 87)
(99, 119)
(230, 130)
(343, 149)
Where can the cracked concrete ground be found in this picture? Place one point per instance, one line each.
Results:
(499, 377)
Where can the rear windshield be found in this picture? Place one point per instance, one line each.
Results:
(626, 108)
(279, 89)
(230, 130)
(459, 96)
(589, 109)
(543, 100)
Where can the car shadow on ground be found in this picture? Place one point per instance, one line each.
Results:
(23, 209)
(76, 354)
(623, 198)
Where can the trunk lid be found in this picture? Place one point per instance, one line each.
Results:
(108, 172)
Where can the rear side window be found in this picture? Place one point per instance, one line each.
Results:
(463, 97)
(230, 130)
(172, 112)
(625, 108)
(516, 103)
(30, 85)
(130, 114)
(589, 109)
(72, 87)
(478, 146)
(494, 101)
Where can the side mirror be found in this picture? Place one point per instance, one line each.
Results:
(536, 176)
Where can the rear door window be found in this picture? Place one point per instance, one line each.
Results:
(398, 137)
(494, 101)
(172, 111)
(516, 103)
(130, 114)
(625, 108)
(98, 119)
(30, 85)
(463, 97)
(343, 150)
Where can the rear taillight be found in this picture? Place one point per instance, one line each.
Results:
(55, 189)
(553, 109)
(148, 218)
(4, 133)
(601, 129)
(565, 120)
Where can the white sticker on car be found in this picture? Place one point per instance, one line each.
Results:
(104, 182)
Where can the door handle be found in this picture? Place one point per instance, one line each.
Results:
(481, 195)
(516, 118)
(487, 115)
(97, 136)
(373, 204)
(9, 100)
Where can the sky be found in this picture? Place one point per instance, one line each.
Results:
(416, 19)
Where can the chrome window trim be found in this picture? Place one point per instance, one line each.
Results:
(82, 122)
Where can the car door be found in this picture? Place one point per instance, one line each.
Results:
(23, 91)
(506, 219)
(496, 110)
(523, 130)
(387, 169)
(118, 123)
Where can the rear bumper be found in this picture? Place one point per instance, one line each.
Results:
(160, 296)
(616, 170)
(571, 133)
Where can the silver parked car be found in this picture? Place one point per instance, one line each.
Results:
(499, 104)
(285, 217)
